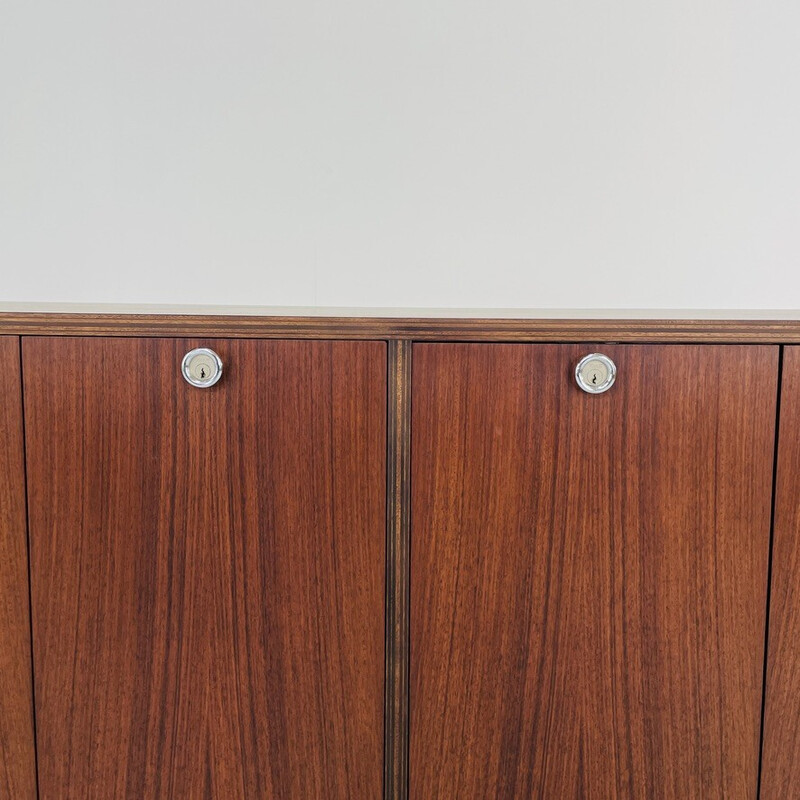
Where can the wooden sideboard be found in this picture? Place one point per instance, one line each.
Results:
(393, 558)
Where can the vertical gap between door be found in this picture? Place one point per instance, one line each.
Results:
(769, 569)
(30, 577)
(398, 529)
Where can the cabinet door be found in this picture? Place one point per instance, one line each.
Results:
(207, 568)
(781, 763)
(17, 768)
(589, 572)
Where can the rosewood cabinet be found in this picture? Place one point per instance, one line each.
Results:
(207, 568)
(589, 572)
(781, 767)
(17, 751)
(398, 559)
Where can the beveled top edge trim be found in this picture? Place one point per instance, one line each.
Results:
(777, 331)
(399, 313)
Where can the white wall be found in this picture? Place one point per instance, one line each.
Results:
(568, 153)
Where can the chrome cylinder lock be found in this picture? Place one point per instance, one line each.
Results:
(595, 373)
(201, 367)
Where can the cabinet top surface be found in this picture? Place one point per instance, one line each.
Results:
(426, 324)
(399, 313)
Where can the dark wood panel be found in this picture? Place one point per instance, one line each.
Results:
(17, 759)
(208, 568)
(418, 329)
(780, 772)
(398, 530)
(589, 573)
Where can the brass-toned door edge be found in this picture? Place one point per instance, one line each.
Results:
(700, 331)
(398, 530)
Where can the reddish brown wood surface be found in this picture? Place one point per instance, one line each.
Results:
(589, 573)
(208, 568)
(17, 761)
(419, 329)
(780, 771)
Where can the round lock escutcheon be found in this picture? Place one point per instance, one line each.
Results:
(201, 367)
(595, 373)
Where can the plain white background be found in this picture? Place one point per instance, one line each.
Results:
(578, 153)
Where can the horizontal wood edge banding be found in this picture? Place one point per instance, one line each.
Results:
(417, 329)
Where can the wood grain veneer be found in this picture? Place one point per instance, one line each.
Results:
(420, 329)
(780, 772)
(208, 568)
(17, 756)
(589, 573)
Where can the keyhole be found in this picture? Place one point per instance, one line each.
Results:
(201, 367)
(595, 373)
